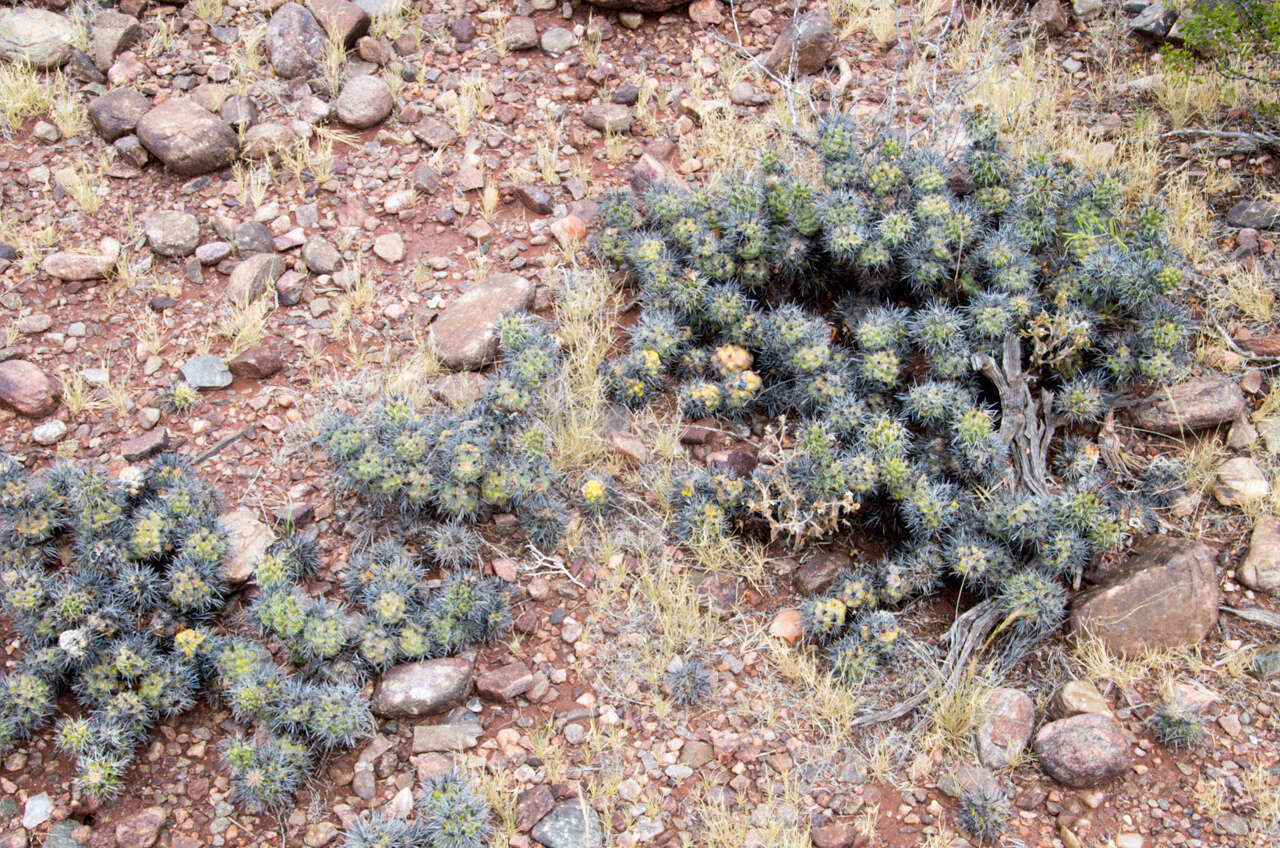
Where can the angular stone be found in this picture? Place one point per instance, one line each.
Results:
(434, 133)
(266, 141)
(720, 593)
(341, 19)
(364, 102)
(572, 824)
(206, 371)
(247, 540)
(111, 34)
(835, 835)
(321, 256)
(172, 233)
(522, 33)
(803, 45)
(535, 199)
(1076, 697)
(1258, 214)
(608, 117)
(146, 445)
(117, 113)
(706, 12)
(141, 829)
(505, 683)
(1240, 481)
(27, 390)
(532, 805)
(1193, 405)
(189, 140)
(452, 737)
(1004, 726)
(37, 810)
(1165, 595)
(820, 571)
(1260, 568)
(254, 277)
(459, 390)
(466, 333)
(256, 363)
(1155, 21)
(50, 432)
(1083, 751)
(423, 688)
(1050, 16)
(295, 41)
(37, 37)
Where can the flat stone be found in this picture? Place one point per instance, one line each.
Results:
(74, 267)
(434, 133)
(608, 117)
(295, 42)
(341, 19)
(505, 683)
(365, 101)
(443, 738)
(1083, 751)
(247, 540)
(532, 805)
(1004, 726)
(116, 113)
(254, 277)
(1258, 214)
(266, 141)
(803, 45)
(1240, 481)
(423, 688)
(28, 390)
(1155, 21)
(257, 363)
(1165, 595)
(1260, 568)
(571, 824)
(206, 371)
(466, 333)
(37, 37)
(146, 445)
(188, 139)
(172, 233)
(37, 810)
(1194, 405)
(141, 829)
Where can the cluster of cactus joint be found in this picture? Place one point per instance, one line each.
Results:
(449, 814)
(931, 357)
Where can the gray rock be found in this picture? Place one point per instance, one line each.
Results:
(423, 688)
(110, 34)
(1086, 10)
(1193, 405)
(608, 117)
(572, 824)
(265, 141)
(378, 8)
(253, 237)
(557, 40)
(451, 737)
(1076, 697)
(647, 6)
(239, 111)
(172, 233)
(37, 810)
(803, 45)
(1260, 568)
(50, 432)
(28, 390)
(189, 140)
(321, 256)
(247, 540)
(1240, 481)
(1004, 726)
(389, 247)
(434, 133)
(1048, 15)
(116, 113)
(364, 102)
(1266, 664)
(206, 371)
(254, 277)
(36, 36)
(1155, 21)
(466, 333)
(1258, 214)
(1083, 751)
(522, 33)
(131, 150)
(295, 42)
(341, 19)
(141, 829)
(72, 267)
(61, 834)
(213, 252)
(1165, 595)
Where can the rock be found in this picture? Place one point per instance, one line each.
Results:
(117, 113)
(1193, 405)
(967, 780)
(1086, 10)
(256, 363)
(389, 247)
(45, 132)
(145, 446)
(189, 140)
(572, 824)
(1165, 595)
(434, 133)
(532, 805)
(557, 40)
(706, 12)
(141, 829)
(629, 20)
(505, 683)
(1155, 21)
(466, 333)
(50, 432)
(27, 390)
(364, 102)
(820, 571)
(535, 199)
(240, 112)
(62, 834)
(608, 117)
(254, 277)
(341, 19)
(1240, 481)
(111, 34)
(423, 688)
(835, 835)
(253, 237)
(379, 8)
(71, 267)
(459, 736)
(247, 540)
(37, 37)
(522, 33)
(1078, 697)
(206, 372)
(132, 151)
(1049, 16)
(1266, 664)
(37, 810)
(295, 42)
(1083, 751)
(649, 7)
(172, 233)
(1260, 568)
(1004, 726)
(803, 45)
(1258, 214)
(321, 256)
(322, 833)
(266, 141)
(459, 390)
(787, 625)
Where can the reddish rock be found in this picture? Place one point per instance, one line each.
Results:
(1083, 751)
(820, 571)
(740, 461)
(787, 625)
(341, 19)
(27, 390)
(629, 445)
(466, 333)
(256, 363)
(720, 593)
(1048, 15)
(569, 230)
(505, 683)
(532, 805)
(423, 688)
(834, 835)
(1004, 726)
(1193, 405)
(141, 829)
(706, 12)
(145, 446)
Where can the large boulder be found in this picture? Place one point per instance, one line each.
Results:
(295, 41)
(27, 390)
(466, 333)
(37, 37)
(1165, 595)
(188, 139)
(803, 46)
(423, 688)
(1193, 405)
(1083, 751)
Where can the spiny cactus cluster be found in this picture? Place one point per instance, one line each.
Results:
(449, 814)
(890, 425)
(984, 812)
(460, 466)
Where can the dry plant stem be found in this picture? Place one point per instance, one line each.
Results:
(1026, 429)
(1255, 614)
